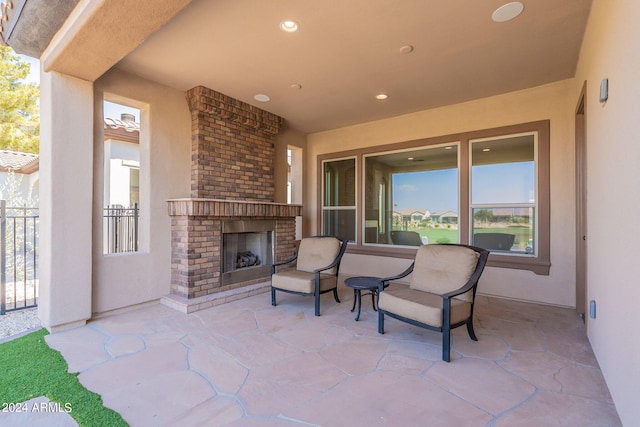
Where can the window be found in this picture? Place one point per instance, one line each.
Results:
(411, 196)
(339, 200)
(121, 179)
(294, 182)
(503, 194)
(489, 188)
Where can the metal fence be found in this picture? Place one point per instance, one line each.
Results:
(18, 257)
(120, 229)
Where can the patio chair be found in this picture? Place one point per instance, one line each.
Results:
(316, 270)
(494, 241)
(441, 294)
(408, 238)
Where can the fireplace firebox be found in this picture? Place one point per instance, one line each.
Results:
(247, 250)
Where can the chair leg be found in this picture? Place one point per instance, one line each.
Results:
(380, 321)
(446, 343)
(470, 330)
(335, 294)
(273, 296)
(318, 304)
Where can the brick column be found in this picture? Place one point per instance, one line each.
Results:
(232, 147)
(232, 177)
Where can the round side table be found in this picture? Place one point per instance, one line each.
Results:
(363, 283)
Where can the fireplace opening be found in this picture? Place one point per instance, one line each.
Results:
(247, 250)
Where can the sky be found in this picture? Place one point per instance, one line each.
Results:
(437, 190)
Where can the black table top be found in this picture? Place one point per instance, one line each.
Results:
(363, 282)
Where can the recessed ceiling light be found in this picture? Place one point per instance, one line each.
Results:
(262, 97)
(382, 96)
(409, 158)
(289, 26)
(508, 11)
(406, 49)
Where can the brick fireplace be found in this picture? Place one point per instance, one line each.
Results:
(232, 182)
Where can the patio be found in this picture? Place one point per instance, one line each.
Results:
(248, 363)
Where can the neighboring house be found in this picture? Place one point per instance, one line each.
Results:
(223, 93)
(411, 216)
(445, 217)
(25, 168)
(121, 161)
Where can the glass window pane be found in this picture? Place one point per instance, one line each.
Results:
(341, 223)
(504, 229)
(411, 197)
(503, 194)
(340, 183)
(503, 170)
(121, 172)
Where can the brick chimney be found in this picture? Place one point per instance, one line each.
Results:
(232, 178)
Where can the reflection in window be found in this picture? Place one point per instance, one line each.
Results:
(121, 178)
(411, 196)
(339, 198)
(503, 194)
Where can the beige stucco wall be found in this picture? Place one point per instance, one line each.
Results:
(610, 50)
(121, 280)
(287, 137)
(554, 102)
(65, 201)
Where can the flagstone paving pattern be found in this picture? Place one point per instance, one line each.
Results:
(247, 363)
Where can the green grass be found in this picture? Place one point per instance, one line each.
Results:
(439, 235)
(450, 235)
(30, 368)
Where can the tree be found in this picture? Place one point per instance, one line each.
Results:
(483, 215)
(19, 110)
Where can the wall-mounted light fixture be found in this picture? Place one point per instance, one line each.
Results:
(604, 90)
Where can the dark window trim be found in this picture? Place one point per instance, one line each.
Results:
(539, 265)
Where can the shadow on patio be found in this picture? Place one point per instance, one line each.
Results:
(247, 363)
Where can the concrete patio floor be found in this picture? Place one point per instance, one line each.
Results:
(247, 363)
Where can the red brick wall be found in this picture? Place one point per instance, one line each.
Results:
(231, 159)
(196, 253)
(232, 147)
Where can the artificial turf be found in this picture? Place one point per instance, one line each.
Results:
(30, 368)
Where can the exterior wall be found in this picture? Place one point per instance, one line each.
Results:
(121, 280)
(118, 177)
(232, 147)
(554, 102)
(27, 188)
(610, 50)
(66, 105)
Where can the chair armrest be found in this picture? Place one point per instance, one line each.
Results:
(337, 260)
(467, 286)
(384, 282)
(473, 280)
(290, 260)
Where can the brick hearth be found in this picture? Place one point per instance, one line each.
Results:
(231, 178)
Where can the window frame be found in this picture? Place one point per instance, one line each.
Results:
(539, 264)
(430, 146)
(354, 208)
(513, 204)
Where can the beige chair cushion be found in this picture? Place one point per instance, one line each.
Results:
(440, 269)
(302, 281)
(421, 306)
(317, 252)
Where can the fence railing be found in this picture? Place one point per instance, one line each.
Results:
(18, 257)
(120, 229)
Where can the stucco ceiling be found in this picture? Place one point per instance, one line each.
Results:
(347, 51)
